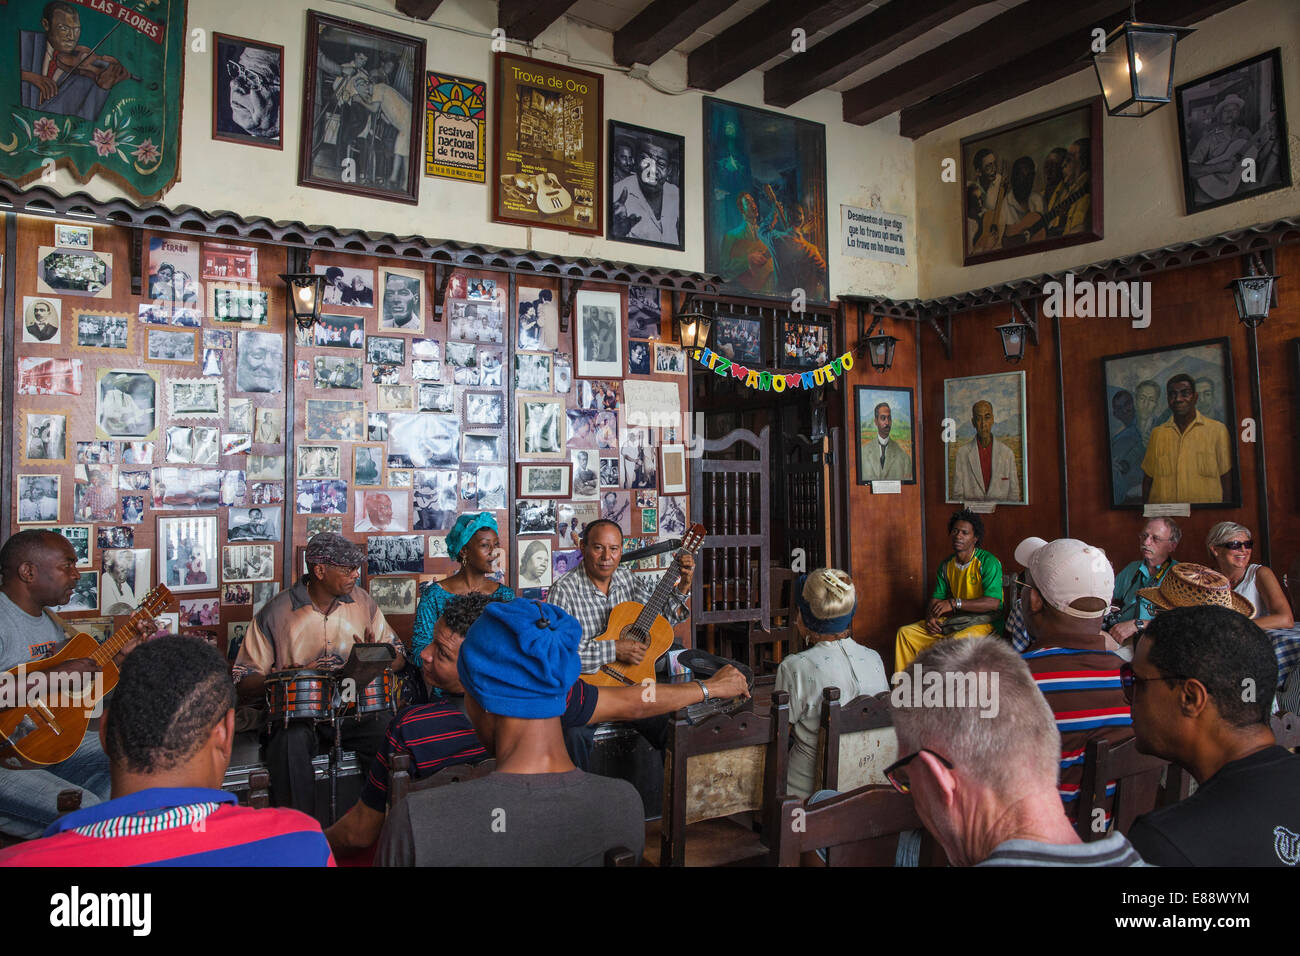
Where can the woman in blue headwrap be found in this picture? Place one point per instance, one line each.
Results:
(473, 541)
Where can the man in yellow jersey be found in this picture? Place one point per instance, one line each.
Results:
(970, 583)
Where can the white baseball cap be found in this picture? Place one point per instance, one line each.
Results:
(1068, 569)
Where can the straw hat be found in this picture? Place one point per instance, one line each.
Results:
(1191, 585)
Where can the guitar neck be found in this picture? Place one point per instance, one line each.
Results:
(658, 599)
(153, 603)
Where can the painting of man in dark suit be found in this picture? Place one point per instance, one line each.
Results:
(59, 74)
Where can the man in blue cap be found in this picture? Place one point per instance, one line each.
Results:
(517, 663)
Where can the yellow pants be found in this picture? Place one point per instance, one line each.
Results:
(912, 639)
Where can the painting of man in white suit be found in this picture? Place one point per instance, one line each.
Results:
(988, 466)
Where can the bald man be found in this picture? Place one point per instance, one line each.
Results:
(986, 468)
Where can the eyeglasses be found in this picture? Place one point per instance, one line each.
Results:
(1128, 680)
(1144, 537)
(246, 80)
(896, 772)
(1019, 585)
(1239, 545)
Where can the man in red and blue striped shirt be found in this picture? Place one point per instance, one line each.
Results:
(168, 735)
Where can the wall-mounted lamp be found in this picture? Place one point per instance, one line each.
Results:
(305, 292)
(692, 325)
(879, 348)
(1253, 293)
(1136, 70)
(1018, 332)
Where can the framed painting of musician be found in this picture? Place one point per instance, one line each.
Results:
(1232, 133)
(1034, 185)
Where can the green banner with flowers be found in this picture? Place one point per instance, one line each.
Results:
(96, 86)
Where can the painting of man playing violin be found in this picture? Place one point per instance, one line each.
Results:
(59, 73)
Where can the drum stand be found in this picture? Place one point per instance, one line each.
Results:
(336, 756)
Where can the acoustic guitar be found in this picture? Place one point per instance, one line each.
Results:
(40, 731)
(644, 623)
(1223, 185)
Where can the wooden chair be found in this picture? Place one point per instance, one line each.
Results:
(858, 828)
(400, 782)
(725, 765)
(1286, 730)
(781, 633)
(857, 741)
(620, 856)
(259, 789)
(1137, 786)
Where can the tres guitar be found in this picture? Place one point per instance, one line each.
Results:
(644, 623)
(61, 725)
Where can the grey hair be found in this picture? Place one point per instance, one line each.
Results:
(1017, 749)
(1221, 532)
(1175, 532)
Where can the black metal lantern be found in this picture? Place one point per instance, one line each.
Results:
(692, 326)
(1136, 70)
(1014, 335)
(305, 292)
(880, 351)
(1253, 294)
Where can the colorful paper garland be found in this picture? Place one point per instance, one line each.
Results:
(766, 381)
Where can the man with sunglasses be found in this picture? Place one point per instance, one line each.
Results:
(1063, 594)
(1201, 685)
(985, 783)
(1156, 541)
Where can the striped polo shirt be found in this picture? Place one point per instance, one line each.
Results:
(1082, 687)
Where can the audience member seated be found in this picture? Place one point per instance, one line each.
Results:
(967, 600)
(1230, 546)
(473, 541)
(517, 665)
(825, 601)
(1189, 685)
(982, 769)
(436, 734)
(1067, 588)
(1156, 543)
(168, 733)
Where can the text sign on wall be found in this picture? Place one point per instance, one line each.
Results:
(873, 234)
(455, 144)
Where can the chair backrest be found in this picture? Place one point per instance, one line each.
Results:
(620, 856)
(400, 782)
(1137, 786)
(1286, 730)
(857, 741)
(259, 789)
(858, 828)
(726, 764)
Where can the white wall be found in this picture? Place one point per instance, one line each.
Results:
(869, 166)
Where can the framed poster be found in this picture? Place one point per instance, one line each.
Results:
(1232, 133)
(1149, 393)
(544, 481)
(547, 150)
(361, 110)
(1033, 185)
(599, 334)
(246, 80)
(886, 434)
(805, 343)
(455, 128)
(74, 272)
(739, 338)
(765, 206)
(990, 414)
(187, 552)
(647, 201)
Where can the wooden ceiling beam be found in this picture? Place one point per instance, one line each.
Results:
(861, 42)
(526, 19)
(419, 9)
(661, 26)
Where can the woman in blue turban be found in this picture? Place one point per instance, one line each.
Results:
(473, 541)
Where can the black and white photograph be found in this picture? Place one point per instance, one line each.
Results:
(540, 428)
(320, 525)
(263, 591)
(544, 481)
(354, 288)
(247, 562)
(423, 370)
(362, 107)
(640, 462)
(394, 595)
(214, 363)
(647, 203)
(535, 517)
(101, 330)
(532, 371)
(469, 486)
(435, 500)
(585, 479)
(738, 338)
(97, 453)
(377, 426)
(269, 429)
(194, 398)
(260, 366)
(436, 397)
(68, 272)
(400, 478)
(423, 440)
(378, 511)
(218, 339)
(395, 554)
(116, 536)
(85, 595)
(582, 427)
(80, 537)
(237, 594)
(339, 331)
(125, 580)
(240, 414)
(599, 395)
(173, 273)
(616, 506)
(395, 398)
(133, 480)
(804, 344)
(136, 452)
(334, 372)
(321, 498)
(318, 461)
(575, 518)
(611, 475)
(329, 420)
(538, 320)
(488, 371)
(463, 357)
(265, 492)
(49, 376)
(178, 348)
(563, 374)
(265, 467)
(403, 301)
(38, 499)
(535, 564)
(638, 358)
(367, 466)
(45, 437)
(599, 334)
(475, 322)
(191, 445)
(186, 489)
(187, 552)
(481, 448)
(669, 359)
(643, 312)
(484, 408)
(246, 304)
(246, 82)
(74, 237)
(491, 488)
(1227, 118)
(386, 374)
(42, 320)
(672, 517)
(385, 350)
(427, 349)
(254, 524)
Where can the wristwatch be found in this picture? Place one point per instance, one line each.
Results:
(956, 604)
(703, 688)
(1140, 625)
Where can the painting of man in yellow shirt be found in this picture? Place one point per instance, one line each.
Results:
(1189, 458)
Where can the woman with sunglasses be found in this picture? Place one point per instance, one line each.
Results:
(1230, 546)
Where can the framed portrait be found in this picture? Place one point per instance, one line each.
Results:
(990, 412)
(380, 511)
(394, 595)
(395, 554)
(647, 199)
(400, 478)
(535, 517)
(484, 408)
(396, 398)
(125, 579)
(1149, 394)
(334, 372)
(482, 447)
(194, 398)
(672, 471)
(335, 421)
(42, 320)
(764, 167)
(126, 403)
(265, 467)
(644, 313)
(534, 569)
(253, 524)
(247, 562)
(540, 428)
(363, 89)
(173, 273)
(319, 525)
(49, 376)
(224, 260)
(475, 321)
(318, 461)
(599, 330)
(85, 596)
(238, 302)
(238, 594)
(347, 286)
(260, 362)
(669, 359)
(247, 77)
(1232, 133)
(101, 330)
(385, 350)
(538, 319)
(547, 172)
(169, 347)
(187, 552)
(339, 331)
(739, 338)
(404, 298)
(368, 465)
(82, 539)
(804, 343)
(269, 429)
(423, 440)
(544, 481)
(532, 371)
(74, 272)
(638, 357)
(886, 438)
(435, 397)
(1033, 185)
(38, 502)
(74, 237)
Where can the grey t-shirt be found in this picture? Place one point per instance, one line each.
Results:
(515, 819)
(24, 638)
